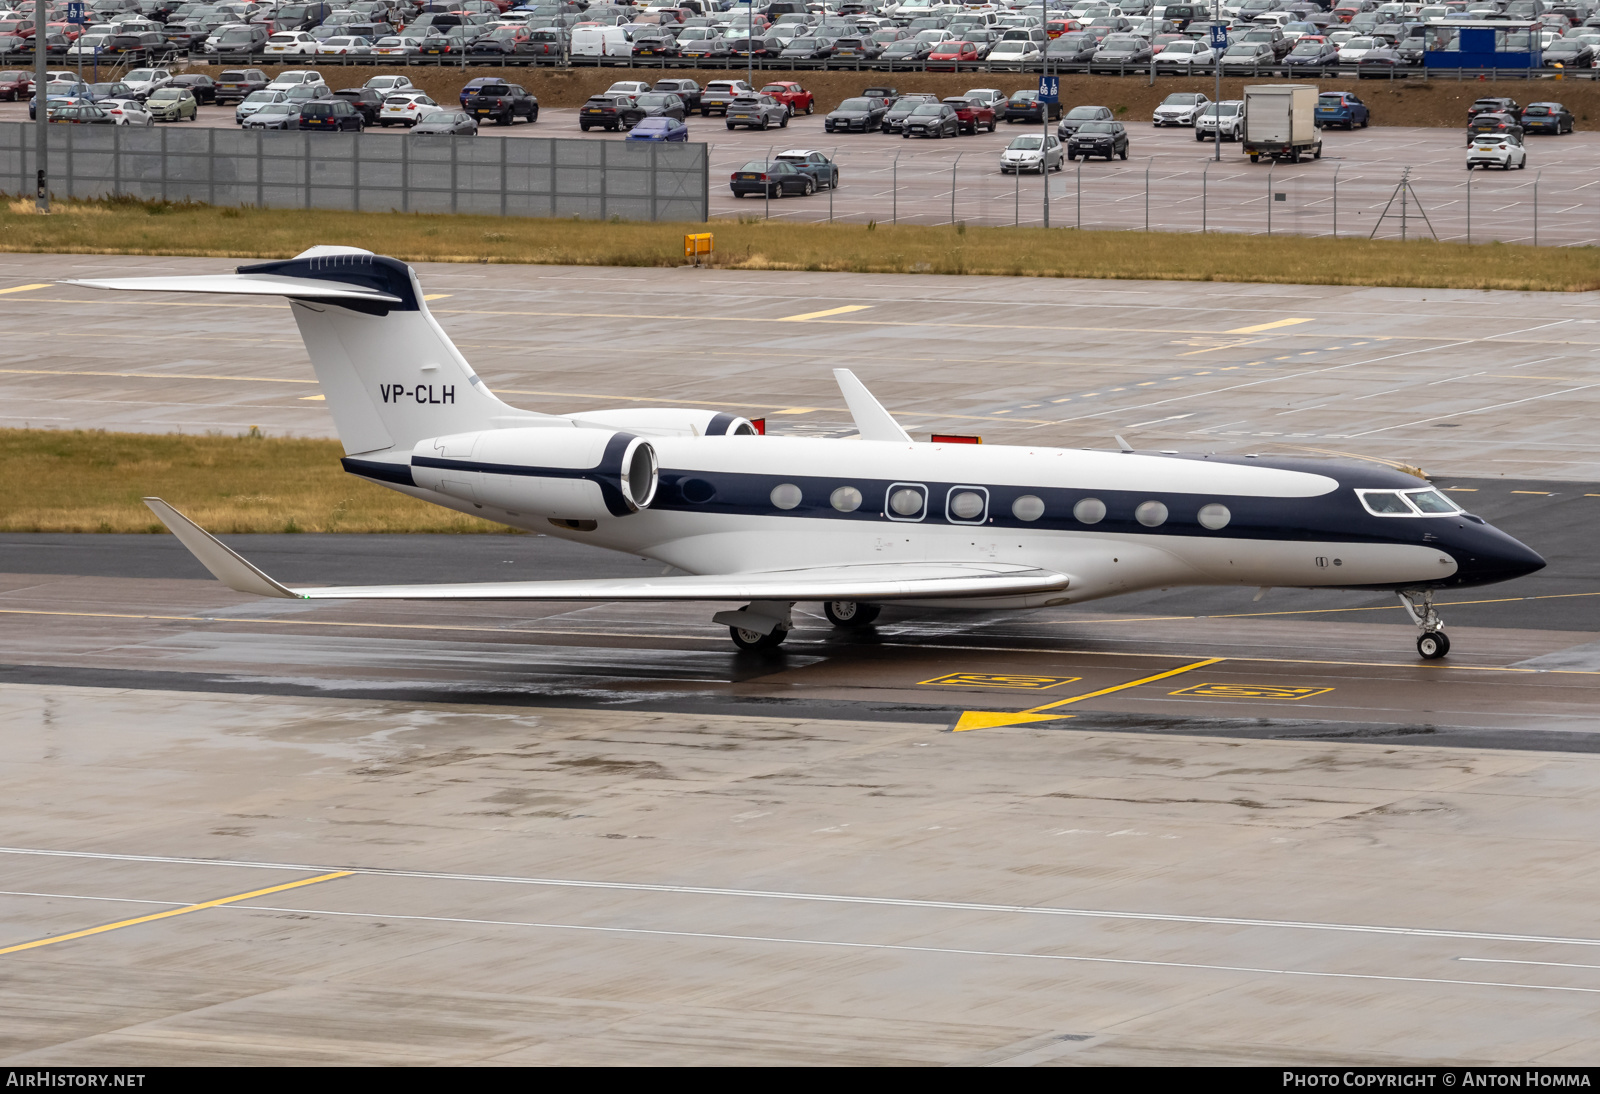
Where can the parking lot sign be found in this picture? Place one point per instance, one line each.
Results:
(1049, 89)
(75, 11)
(1219, 36)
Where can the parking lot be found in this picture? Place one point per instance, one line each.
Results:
(1168, 183)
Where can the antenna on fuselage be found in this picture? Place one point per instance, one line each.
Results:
(1122, 444)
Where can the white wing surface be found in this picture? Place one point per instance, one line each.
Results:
(866, 582)
(243, 285)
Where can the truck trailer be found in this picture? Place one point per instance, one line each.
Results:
(1280, 122)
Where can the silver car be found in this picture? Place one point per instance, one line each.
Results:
(256, 100)
(757, 112)
(1024, 154)
(446, 123)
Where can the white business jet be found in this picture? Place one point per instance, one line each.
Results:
(764, 522)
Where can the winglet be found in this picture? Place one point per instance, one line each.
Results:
(873, 422)
(225, 565)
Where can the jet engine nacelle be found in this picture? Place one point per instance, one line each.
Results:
(564, 473)
(667, 421)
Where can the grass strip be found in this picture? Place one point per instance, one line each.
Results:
(128, 226)
(91, 481)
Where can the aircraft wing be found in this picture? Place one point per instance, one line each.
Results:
(866, 582)
(243, 284)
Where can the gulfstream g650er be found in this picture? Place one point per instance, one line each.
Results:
(763, 522)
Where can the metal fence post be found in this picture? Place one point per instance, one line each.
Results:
(1079, 224)
(455, 188)
(1044, 174)
(261, 169)
(834, 182)
(1147, 167)
(1336, 169)
(211, 167)
(1536, 177)
(1205, 192)
(894, 190)
(116, 160)
(1469, 206)
(305, 150)
(355, 174)
(1269, 197)
(953, 187)
(164, 133)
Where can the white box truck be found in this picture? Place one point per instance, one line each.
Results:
(1280, 121)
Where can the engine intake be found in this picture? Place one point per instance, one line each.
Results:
(563, 473)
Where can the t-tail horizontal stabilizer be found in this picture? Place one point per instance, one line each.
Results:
(871, 583)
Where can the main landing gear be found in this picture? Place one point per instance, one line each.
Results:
(1432, 643)
(848, 614)
(764, 624)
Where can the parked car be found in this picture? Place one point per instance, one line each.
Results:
(1185, 56)
(331, 115)
(1081, 115)
(239, 38)
(1341, 108)
(144, 80)
(687, 90)
(291, 43)
(367, 101)
(757, 111)
(236, 84)
(1226, 118)
(300, 77)
(936, 120)
(1026, 106)
(720, 94)
(504, 103)
(792, 95)
(395, 46)
(456, 123)
(1503, 150)
(344, 46)
(1032, 153)
(79, 113)
(255, 101)
(1492, 124)
(405, 108)
(973, 113)
(661, 128)
(387, 84)
(1312, 53)
(1569, 53)
(1492, 106)
(895, 119)
(857, 115)
(1180, 108)
(1547, 118)
(771, 178)
(1102, 138)
(1248, 56)
(283, 114)
(202, 87)
(814, 163)
(127, 112)
(172, 104)
(1073, 49)
(1118, 51)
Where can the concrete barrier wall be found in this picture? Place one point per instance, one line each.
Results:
(530, 177)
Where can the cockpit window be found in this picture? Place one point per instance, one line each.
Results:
(1385, 503)
(1431, 501)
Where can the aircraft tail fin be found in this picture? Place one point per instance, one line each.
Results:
(391, 375)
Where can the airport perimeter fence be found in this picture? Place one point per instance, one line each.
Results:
(1172, 193)
(357, 172)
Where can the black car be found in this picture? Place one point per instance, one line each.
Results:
(1098, 139)
(1082, 115)
(366, 100)
(80, 114)
(1076, 48)
(755, 47)
(907, 49)
(1491, 106)
(936, 120)
(901, 110)
(1492, 122)
(1568, 53)
(773, 178)
(1025, 106)
(887, 94)
(815, 164)
(1382, 63)
(856, 116)
(687, 90)
(655, 43)
(490, 46)
(203, 88)
(611, 111)
(334, 115)
(856, 49)
(1547, 118)
(236, 84)
(505, 103)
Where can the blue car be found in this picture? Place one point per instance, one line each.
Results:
(659, 129)
(1341, 108)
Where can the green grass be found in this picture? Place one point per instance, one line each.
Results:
(91, 481)
(130, 227)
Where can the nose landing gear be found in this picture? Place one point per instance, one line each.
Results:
(1432, 643)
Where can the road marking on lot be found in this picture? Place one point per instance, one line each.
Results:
(439, 296)
(24, 288)
(313, 398)
(798, 410)
(822, 314)
(999, 680)
(993, 719)
(1251, 691)
(1269, 326)
(185, 910)
(151, 376)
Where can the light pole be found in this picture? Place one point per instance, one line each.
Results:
(1216, 67)
(750, 41)
(41, 131)
(1044, 115)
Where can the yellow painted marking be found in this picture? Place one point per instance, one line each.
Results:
(185, 910)
(1146, 383)
(1592, 495)
(1541, 493)
(991, 719)
(1269, 326)
(150, 375)
(1251, 691)
(1000, 680)
(23, 288)
(313, 398)
(798, 410)
(439, 296)
(1461, 489)
(823, 314)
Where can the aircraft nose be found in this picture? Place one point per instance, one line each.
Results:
(1501, 558)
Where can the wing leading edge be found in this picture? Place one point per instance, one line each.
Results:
(864, 582)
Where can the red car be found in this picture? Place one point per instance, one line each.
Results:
(791, 95)
(952, 54)
(973, 114)
(15, 84)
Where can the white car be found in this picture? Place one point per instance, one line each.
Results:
(296, 42)
(142, 81)
(1185, 55)
(1227, 115)
(387, 84)
(991, 96)
(1502, 150)
(1355, 49)
(405, 108)
(1023, 154)
(92, 42)
(296, 77)
(628, 87)
(338, 47)
(127, 111)
(255, 101)
(1018, 51)
(1179, 108)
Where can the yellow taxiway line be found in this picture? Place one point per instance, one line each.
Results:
(993, 719)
